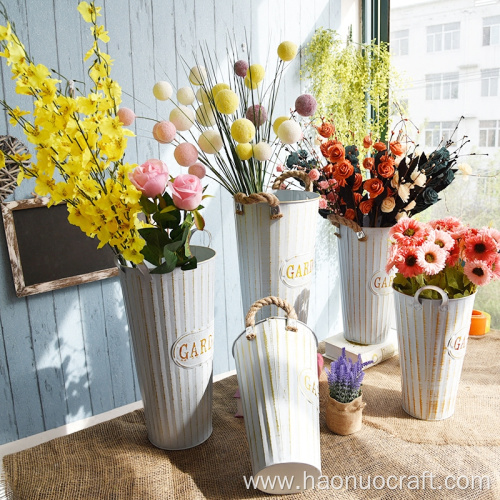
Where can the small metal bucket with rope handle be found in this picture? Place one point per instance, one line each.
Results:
(276, 365)
(276, 236)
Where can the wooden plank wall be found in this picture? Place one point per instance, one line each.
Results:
(65, 355)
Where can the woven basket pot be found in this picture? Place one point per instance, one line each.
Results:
(171, 321)
(366, 289)
(345, 418)
(276, 255)
(432, 338)
(276, 365)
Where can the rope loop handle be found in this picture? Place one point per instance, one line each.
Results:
(242, 199)
(268, 301)
(337, 220)
(294, 173)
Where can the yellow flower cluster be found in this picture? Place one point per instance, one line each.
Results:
(79, 143)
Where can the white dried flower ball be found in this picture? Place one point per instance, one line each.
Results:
(185, 95)
(162, 91)
(210, 142)
(289, 132)
(182, 117)
(262, 151)
(197, 75)
(205, 116)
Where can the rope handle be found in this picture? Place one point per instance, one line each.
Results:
(291, 324)
(337, 220)
(294, 173)
(242, 199)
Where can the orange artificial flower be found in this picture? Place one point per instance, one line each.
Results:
(357, 198)
(343, 170)
(326, 130)
(374, 187)
(366, 206)
(386, 166)
(367, 141)
(350, 214)
(396, 148)
(328, 170)
(358, 180)
(336, 152)
(380, 146)
(369, 163)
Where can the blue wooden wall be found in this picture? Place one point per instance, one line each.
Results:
(65, 355)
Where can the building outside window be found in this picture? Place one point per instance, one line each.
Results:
(441, 86)
(443, 37)
(438, 133)
(491, 30)
(489, 82)
(489, 133)
(399, 43)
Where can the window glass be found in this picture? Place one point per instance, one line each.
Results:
(452, 69)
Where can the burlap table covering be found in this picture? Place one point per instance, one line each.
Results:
(115, 460)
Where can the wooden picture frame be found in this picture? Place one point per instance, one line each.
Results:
(46, 252)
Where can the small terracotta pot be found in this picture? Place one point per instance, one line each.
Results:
(344, 418)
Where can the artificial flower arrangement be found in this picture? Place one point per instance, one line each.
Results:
(80, 144)
(228, 128)
(393, 180)
(444, 253)
(344, 410)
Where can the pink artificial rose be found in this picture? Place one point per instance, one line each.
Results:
(150, 178)
(314, 174)
(323, 203)
(186, 191)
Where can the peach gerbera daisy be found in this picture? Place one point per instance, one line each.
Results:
(431, 258)
(480, 247)
(478, 272)
(407, 262)
(409, 232)
(443, 239)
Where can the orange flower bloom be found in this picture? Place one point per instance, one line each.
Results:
(367, 141)
(374, 187)
(357, 198)
(380, 146)
(369, 163)
(366, 206)
(358, 180)
(343, 170)
(336, 152)
(326, 130)
(396, 148)
(350, 214)
(329, 170)
(386, 166)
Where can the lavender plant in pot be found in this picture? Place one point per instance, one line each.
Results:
(344, 411)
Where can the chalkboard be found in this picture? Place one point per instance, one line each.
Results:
(47, 252)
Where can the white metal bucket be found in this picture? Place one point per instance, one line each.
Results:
(278, 383)
(366, 289)
(171, 320)
(432, 337)
(276, 256)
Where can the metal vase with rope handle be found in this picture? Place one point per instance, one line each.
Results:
(278, 381)
(276, 234)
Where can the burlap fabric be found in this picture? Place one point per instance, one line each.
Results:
(114, 460)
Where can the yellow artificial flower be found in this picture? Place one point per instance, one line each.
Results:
(44, 185)
(15, 114)
(37, 74)
(98, 32)
(97, 71)
(132, 251)
(21, 157)
(2, 159)
(5, 32)
(88, 11)
(77, 218)
(88, 104)
(36, 135)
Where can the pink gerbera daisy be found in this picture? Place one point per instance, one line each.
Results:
(409, 232)
(407, 262)
(478, 272)
(453, 254)
(495, 234)
(480, 247)
(443, 239)
(450, 224)
(431, 258)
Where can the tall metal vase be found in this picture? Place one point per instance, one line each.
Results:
(171, 321)
(366, 289)
(276, 255)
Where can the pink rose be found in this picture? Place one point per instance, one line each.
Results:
(314, 174)
(323, 185)
(150, 178)
(186, 192)
(323, 203)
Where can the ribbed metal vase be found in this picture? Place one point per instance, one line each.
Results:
(171, 321)
(432, 337)
(366, 289)
(278, 383)
(276, 256)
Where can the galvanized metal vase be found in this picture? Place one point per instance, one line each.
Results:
(171, 321)
(432, 337)
(276, 365)
(366, 289)
(276, 256)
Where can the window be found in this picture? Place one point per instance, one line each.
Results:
(438, 133)
(441, 86)
(489, 133)
(489, 82)
(399, 43)
(491, 30)
(443, 37)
